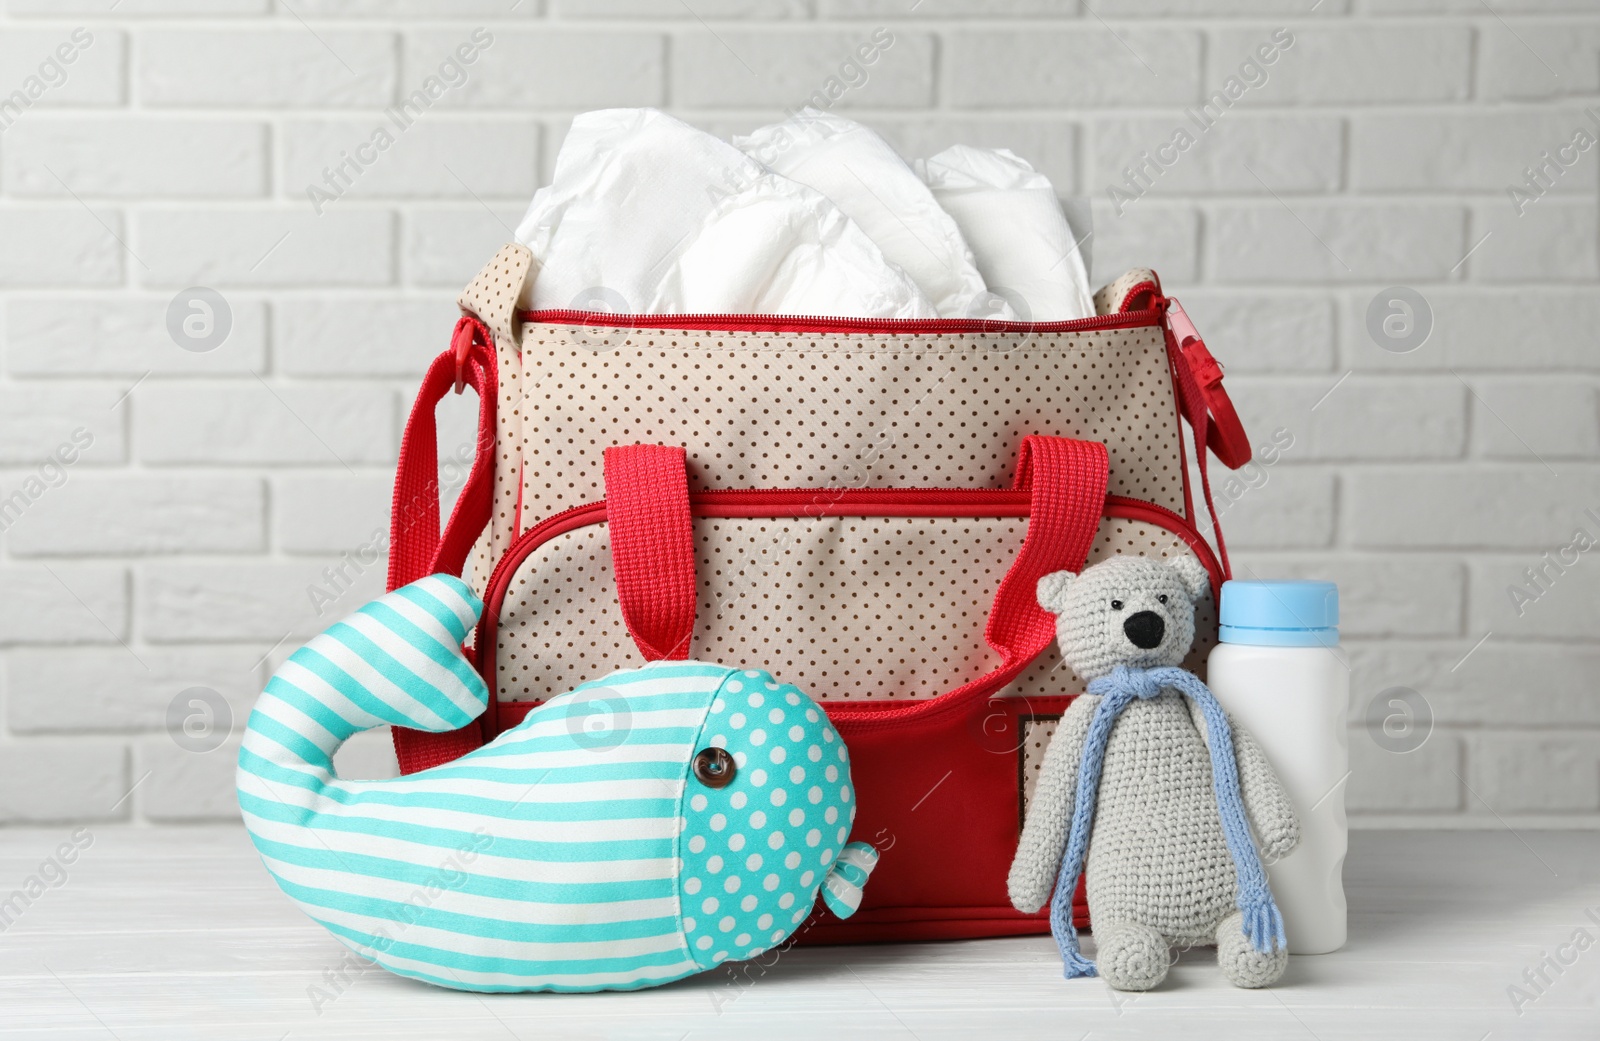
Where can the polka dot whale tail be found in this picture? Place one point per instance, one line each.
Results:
(756, 849)
(643, 827)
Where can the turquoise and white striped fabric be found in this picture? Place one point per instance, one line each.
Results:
(842, 889)
(577, 851)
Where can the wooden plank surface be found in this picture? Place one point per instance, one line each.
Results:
(177, 933)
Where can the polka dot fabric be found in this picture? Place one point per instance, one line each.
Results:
(848, 608)
(793, 410)
(760, 848)
(1119, 295)
(492, 296)
(812, 409)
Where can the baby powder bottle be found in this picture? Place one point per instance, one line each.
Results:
(1280, 674)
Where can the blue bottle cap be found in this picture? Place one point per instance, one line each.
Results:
(1288, 613)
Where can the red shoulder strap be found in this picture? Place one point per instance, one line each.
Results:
(1210, 412)
(416, 546)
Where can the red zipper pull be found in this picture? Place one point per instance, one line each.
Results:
(1226, 437)
(462, 342)
(1187, 336)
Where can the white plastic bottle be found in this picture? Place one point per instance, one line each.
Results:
(1279, 672)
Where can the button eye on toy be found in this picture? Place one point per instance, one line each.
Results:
(714, 767)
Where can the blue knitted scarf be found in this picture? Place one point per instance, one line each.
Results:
(1262, 922)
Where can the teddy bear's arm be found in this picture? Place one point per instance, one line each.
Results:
(1271, 813)
(1044, 836)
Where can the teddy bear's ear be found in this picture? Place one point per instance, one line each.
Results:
(1193, 574)
(1052, 590)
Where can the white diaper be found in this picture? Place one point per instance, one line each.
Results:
(1010, 217)
(866, 179)
(649, 215)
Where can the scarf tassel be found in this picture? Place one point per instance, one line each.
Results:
(1077, 965)
(1263, 924)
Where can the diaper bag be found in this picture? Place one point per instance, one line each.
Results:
(862, 508)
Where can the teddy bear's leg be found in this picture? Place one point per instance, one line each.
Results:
(1242, 964)
(1130, 956)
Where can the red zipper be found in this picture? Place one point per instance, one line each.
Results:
(826, 324)
(783, 503)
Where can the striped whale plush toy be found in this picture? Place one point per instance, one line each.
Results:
(696, 828)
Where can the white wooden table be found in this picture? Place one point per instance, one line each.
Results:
(174, 933)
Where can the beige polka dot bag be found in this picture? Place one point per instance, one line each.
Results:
(861, 509)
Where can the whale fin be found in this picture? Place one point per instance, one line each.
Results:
(841, 890)
(397, 660)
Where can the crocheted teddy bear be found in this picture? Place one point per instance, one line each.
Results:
(1134, 780)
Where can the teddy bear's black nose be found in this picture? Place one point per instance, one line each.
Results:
(1145, 629)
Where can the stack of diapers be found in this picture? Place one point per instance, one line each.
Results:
(868, 181)
(815, 215)
(1013, 222)
(670, 219)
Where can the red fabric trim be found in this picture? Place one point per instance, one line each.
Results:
(927, 927)
(420, 750)
(920, 924)
(1141, 296)
(1127, 319)
(939, 797)
(652, 547)
(1227, 440)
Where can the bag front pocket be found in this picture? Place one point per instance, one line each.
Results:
(852, 594)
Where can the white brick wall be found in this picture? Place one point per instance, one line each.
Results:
(176, 148)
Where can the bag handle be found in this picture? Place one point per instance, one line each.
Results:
(652, 555)
(416, 546)
(1067, 479)
(652, 547)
